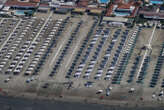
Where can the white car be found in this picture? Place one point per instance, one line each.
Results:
(7, 80)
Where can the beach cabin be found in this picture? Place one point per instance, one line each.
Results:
(22, 13)
(103, 3)
(61, 10)
(44, 8)
(80, 11)
(123, 10)
(95, 12)
(156, 2)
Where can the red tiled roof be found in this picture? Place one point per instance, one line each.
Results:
(83, 3)
(161, 15)
(134, 13)
(109, 10)
(88, 8)
(149, 14)
(44, 5)
(146, 12)
(117, 1)
(36, 1)
(124, 6)
(21, 4)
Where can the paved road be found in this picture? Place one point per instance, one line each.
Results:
(146, 52)
(1, 21)
(8, 103)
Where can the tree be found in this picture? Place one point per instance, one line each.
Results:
(162, 5)
(113, 15)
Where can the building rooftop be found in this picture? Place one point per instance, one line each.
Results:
(79, 10)
(44, 5)
(122, 5)
(156, 0)
(109, 10)
(161, 8)
(83, 3)
(117, 1)
(115, 19)
(36, 1)
(30, 3)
